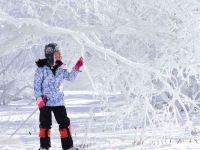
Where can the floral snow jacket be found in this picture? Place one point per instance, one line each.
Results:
(47, 81)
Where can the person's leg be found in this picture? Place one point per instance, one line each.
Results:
(64, 123)
(45, 127)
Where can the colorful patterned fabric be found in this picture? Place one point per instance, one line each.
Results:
(48, 84)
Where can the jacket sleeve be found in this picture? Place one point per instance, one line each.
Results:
(70, 76)
(38, 82)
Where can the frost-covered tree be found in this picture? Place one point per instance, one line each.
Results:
(146, 50)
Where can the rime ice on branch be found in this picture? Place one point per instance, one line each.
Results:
(146, 50)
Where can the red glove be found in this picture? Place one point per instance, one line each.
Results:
(79, 64)
(41, 103)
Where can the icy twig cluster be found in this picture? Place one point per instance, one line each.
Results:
(147, 51)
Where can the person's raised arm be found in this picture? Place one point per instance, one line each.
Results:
(70, 76)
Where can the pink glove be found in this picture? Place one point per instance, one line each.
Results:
(41, 103)
(79, 64)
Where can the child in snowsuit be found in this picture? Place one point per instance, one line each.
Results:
(47, 80)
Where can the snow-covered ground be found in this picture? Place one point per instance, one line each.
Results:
(148, 50)
(79, 105)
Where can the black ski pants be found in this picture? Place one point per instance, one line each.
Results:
(45, 119)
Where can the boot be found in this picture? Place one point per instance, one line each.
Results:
(45, 142)
(66, 139)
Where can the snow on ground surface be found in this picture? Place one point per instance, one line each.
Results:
(78, 107)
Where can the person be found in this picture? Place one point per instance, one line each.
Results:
(48, 77)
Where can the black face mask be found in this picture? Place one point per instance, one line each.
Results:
(49, 54)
